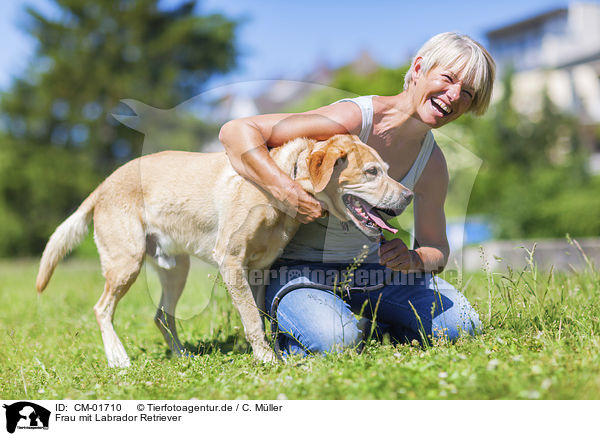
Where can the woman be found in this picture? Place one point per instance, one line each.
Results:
(450, 75)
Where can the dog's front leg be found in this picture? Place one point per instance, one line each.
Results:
(236, 280)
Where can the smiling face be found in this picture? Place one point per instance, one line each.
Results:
(440, 95)
(466, 61)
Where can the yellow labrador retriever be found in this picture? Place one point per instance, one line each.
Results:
(170, 205)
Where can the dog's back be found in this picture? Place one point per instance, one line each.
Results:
(181, 200)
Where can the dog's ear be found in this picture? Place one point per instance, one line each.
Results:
(321, 163)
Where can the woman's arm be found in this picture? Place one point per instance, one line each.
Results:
(430, 223)
(246, 141)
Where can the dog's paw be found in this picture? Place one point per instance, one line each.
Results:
(119, 362)
(266, 356)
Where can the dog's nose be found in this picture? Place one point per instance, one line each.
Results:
(408, 196)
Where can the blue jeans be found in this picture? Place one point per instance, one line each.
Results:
(409, 306)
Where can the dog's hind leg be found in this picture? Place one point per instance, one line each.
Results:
(105, 310)
(173, 282)
(121, 247)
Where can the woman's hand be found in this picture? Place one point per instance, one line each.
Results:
(301, 205)
(395, 255)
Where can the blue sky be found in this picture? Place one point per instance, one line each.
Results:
(288, 38)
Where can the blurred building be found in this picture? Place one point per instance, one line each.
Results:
(557, 51)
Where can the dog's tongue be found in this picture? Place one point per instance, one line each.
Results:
(380, 222)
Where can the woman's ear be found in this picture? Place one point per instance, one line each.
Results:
(417, 68)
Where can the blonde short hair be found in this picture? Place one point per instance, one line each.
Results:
(466, 58)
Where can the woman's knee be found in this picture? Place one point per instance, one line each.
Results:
(452, 328)
(318, 320)
(460, 319)
(336, 337)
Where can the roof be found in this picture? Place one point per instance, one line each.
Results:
(527, 23)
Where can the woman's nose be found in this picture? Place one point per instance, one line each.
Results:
(454, 91)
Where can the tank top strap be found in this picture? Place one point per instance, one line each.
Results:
(365, 103)
(411, 178)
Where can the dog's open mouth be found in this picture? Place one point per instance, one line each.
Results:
(366, 216)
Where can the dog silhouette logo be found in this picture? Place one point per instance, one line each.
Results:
(26, 415)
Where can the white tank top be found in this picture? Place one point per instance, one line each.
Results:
(326, 239)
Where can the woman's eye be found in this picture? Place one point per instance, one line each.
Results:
(468, 93)
(373, 171)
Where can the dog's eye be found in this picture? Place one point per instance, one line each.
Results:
(373, 171)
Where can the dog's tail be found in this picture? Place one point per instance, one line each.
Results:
(66, 237)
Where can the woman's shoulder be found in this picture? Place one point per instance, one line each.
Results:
(347, 114)
(362, 103)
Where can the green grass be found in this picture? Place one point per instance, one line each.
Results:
(541, 340)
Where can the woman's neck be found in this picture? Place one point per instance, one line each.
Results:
(399, 122)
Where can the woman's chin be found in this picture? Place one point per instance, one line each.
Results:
(434, 122)
(431, 119)
(434, 118)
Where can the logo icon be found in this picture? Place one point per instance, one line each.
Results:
(26, 415)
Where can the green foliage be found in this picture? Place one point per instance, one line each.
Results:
(60, 138)
(38, 185)
(533, 181)
(382, 81)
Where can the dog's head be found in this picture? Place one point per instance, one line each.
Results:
(351, 179)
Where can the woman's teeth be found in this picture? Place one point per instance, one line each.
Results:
(442, 105)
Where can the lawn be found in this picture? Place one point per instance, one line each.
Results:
(541, 340)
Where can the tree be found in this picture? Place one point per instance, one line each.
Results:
(61, 138)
